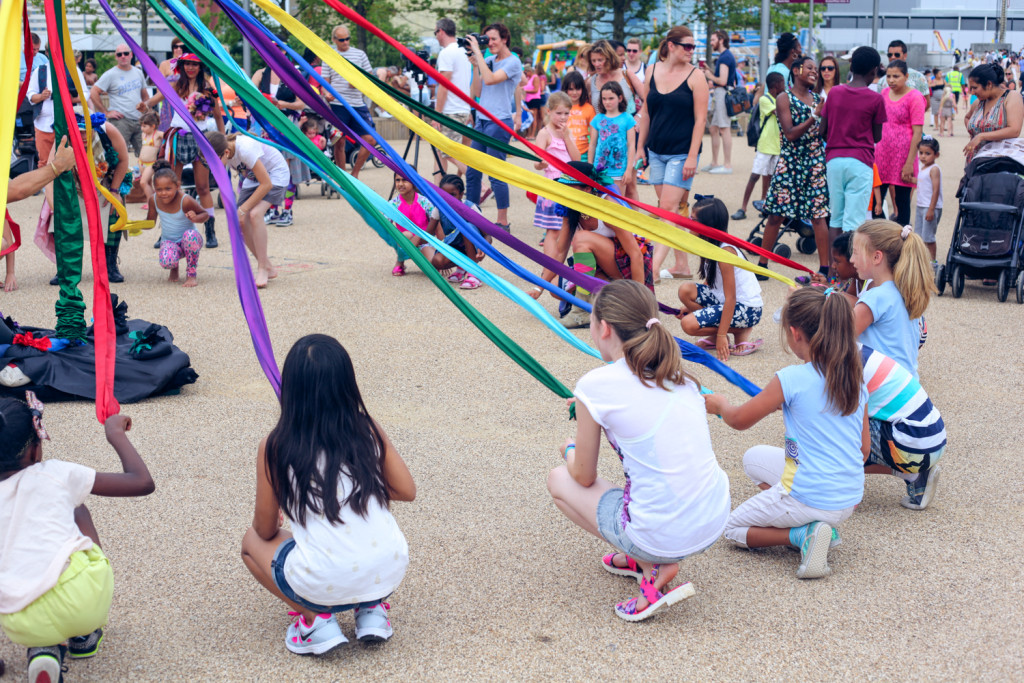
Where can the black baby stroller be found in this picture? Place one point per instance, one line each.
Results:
(805, 243)
(987, 236)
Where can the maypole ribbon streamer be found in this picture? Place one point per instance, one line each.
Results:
(669, 216)
(605, 210)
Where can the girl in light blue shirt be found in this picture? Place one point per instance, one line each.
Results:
(811, 486)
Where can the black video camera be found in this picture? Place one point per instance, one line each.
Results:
(417, 73)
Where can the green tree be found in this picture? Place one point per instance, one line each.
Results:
(732, 15)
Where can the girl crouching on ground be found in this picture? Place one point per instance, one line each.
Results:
(177, 212)
(332, 471)
(676, 499)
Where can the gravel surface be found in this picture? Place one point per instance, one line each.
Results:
(500, 584)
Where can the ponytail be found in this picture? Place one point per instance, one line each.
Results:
(908, 259)
(219, 141)
(163, 169)
(675, 34)
(826, 320)
(649, 349)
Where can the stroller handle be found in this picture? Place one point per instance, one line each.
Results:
(989, 206)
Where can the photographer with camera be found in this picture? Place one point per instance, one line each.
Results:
(495, 80)
(343, 45)
(453, 63)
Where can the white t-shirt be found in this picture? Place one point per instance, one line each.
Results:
(248, 152)
(124, 89)
(677, 497)
(454, 59)
(44, 121)
(748, 292)
(362, 560)
(37, 528)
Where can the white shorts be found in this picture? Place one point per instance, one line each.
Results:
(773, 508)
(764, 164)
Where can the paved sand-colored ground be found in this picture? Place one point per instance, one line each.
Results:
(500, 585)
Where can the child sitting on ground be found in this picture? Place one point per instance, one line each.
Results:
(814, 483)
(676, 498)
(56, 584)
(151, 141)
(929, 195)
(417, 209)
(446, 231)
(557, 140)
(729, 300)
(178, 212)
(333, 472)
(769, 144)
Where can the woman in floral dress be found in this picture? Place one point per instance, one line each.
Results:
(896, 152)
(799, 188)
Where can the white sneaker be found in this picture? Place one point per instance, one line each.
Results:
(372, 623)
(708, 168)
(323, 635)
(814, 552)
(720, 170)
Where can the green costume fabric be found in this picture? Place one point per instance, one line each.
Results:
(68, 236)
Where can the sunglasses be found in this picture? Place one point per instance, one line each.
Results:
(178, 46)
(342, 40)
(895, 54)
(689, 47)
(631, 51)
(827, 68)
(122, 54)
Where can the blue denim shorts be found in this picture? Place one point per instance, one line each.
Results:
(609, 523)
(282, 584)
(667, 169)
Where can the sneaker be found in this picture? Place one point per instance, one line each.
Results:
(758, 205)
(271, 216)
(284, 218)
(576, 319)
(740, 215)
(836, 539)
(46, 664)
(720, 170)
(83, 647)
(323, 635)
(918, 499)
(159, 241)
(708, 168)
(372, 623)
(814, 552)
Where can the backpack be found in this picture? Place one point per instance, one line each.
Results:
(756, 127)
(737, 99)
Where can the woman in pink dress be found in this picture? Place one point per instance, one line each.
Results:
(896, 152)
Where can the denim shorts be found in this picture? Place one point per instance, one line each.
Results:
(363, 112)
(609, 523)
(282, 584)
(667, 169)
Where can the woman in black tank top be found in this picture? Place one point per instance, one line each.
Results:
(671, 128)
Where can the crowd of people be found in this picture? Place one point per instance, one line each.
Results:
(839, 153)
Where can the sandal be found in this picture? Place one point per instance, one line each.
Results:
(706, 344)
(746, 348)
(655, 599)
(631, 570)
(457, 275)
(470, 282)
(398, 270)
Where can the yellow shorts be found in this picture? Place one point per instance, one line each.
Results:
(78, 605)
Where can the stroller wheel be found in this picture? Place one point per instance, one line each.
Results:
(806, 245)
(220, 200)
(323, 189)
(940, 279)
(1020, 288)
(377, 162)
(783, 250)
(756, 241)
(958, 281)
(1003, 286)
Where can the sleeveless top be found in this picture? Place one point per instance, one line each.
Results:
(556, 148)
(995, 119)
(173, 225)
(672, 119)
(627, 92)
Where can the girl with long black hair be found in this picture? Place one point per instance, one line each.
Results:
(332, 471)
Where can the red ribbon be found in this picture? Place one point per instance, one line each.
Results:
(15, 233)
(103, 315)
(668, 216)
(26, 339)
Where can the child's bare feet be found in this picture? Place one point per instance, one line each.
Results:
(536, 292)
(271, 272)
(190, 281)
(261, 278)
(10, 283)
(174, 275)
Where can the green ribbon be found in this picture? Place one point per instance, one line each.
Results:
(248, 92)
(68, 237)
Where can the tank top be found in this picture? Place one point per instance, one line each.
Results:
(173, 225)
(672, 120)
(556, 148)
(627, 92)
(748, 292)
(925, 188)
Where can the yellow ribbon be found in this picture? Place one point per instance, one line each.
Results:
(10, 44)
(609, 211)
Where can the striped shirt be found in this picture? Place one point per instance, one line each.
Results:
(896, 396)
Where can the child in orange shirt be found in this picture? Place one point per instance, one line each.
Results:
(581, 113)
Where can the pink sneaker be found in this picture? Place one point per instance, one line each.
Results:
(470, 282)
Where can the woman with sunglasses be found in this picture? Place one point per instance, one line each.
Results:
(828, 76)
(195, 88)
(671, 129)
(799, 188)
(168, 71)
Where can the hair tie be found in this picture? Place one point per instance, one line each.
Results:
(36, 406)
(905, 232)
(652, 321)
(829, 292)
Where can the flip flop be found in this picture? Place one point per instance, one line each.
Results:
(706, 344)
(631, 570)
(746, 348)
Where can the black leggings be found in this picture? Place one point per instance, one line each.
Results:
(902, 216)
